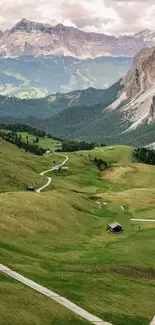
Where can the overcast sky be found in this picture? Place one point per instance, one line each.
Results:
(103, 16)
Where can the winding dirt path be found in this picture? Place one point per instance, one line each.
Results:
(50, 170)
(153, 321)
(143, 220)
(140, 220)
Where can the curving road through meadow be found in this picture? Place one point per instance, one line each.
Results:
(50, 170)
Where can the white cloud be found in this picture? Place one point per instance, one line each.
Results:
(104, 16)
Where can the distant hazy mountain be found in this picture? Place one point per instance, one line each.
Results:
(29, 77)
(36, 39)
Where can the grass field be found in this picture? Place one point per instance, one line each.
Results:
(45, 143)
(28, 307)
(59, 238)
(18, 169)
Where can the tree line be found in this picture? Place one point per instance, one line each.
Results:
(17, 127)
(69, 146)
(13, 136)
(16, 139)
(144, 155)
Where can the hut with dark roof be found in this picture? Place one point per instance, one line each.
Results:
(115, 227)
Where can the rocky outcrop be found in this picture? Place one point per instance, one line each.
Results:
(152, 111)
(142, 75)
(137, 98)
(37, 39)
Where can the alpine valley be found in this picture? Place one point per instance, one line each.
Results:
(123, 113)
(77, 193)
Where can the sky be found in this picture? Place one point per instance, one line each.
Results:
(113, 17)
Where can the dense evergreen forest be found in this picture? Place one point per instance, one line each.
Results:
(23, 128)
(68, 146)
(144, 155)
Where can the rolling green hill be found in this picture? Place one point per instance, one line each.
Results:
(58, 238)
(18, 169)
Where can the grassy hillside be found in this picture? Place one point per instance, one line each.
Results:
(44, 142)
(18, 169)
(59, 238)
(28, 307)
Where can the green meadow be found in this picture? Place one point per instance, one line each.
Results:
(29, 307)
(45, 142)
(58, 238)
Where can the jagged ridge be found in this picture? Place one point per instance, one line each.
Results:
(37, 39)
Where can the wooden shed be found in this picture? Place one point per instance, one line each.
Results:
(115, 227)
(65, 169)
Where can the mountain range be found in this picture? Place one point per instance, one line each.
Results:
(38, 59)
(37, 39)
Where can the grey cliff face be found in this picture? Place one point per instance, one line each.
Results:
(152, 111)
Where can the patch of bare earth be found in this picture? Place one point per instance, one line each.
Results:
(116, 174)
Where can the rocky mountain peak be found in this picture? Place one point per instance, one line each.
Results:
(28, 26)
(23, 25)
(146, 34)
(137, 98)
